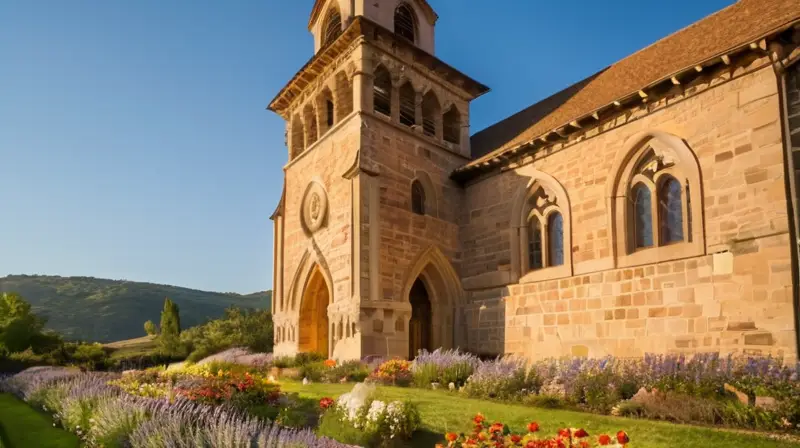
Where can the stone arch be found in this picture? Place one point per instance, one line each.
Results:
(431, 115)
(296, 137)
(343, 100)
(308, 262)
(313, 314)
(326, 106)
(451, 125)
(519, 224)
(666, 155)
(332, 26)
(445, 293)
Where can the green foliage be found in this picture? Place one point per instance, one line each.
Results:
(169, 339)
(20, 328)
(102, 310)
(237, 328)
(546, 401)
(150, 328)
(351, 371)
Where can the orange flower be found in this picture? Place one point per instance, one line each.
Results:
(515, 438)
(479, 418)
(325, 403)
(439, 445)
(622, 438)
(330, 363)
(482, 437)
(533, 427)
(581, 433)
(604, 439)
(564, 433)
(451, 436)
(583, 444)
(496, 427)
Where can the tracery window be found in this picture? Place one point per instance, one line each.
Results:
(545, 229)
(404, 24)
(655, 188)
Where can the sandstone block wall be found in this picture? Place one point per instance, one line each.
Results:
(735, 297)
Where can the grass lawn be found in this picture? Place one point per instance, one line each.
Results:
(21, 426)
(446, 411)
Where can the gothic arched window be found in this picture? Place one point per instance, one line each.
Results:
(534, 243)
(670, 211)
(404, 24)
(656, 208)
(555, 239)
(382, 91)
(417, 198)
(408, 108)
(642, 216)
(333, 27)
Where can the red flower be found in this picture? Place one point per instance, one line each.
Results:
(325, 403)
(451, 436)
(496, 427)
(478, 419)
(581, 433)
(515, 438)
(622, 438)
(330, 363)
(604, 439)
(583, 444)
(533, 427)
(564, 433)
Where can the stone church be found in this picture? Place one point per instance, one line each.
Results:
(649, 208)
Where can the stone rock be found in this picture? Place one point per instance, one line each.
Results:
(451, 386)
(306, 382)
(434, 386)
(767, 403)
(741, 396)
(271, 378)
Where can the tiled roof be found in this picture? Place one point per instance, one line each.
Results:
(713, 36)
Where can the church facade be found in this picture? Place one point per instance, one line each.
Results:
(650, 208)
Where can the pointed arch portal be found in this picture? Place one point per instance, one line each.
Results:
(434, 292)
(313, 334)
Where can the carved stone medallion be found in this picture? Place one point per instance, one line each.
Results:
(315, 206)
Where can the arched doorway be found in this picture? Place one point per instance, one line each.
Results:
(313, 334)
(419, 327)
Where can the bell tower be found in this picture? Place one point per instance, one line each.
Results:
(375, 125)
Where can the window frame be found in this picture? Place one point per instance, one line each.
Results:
(412, 16)
(522, 211)
(675, 160)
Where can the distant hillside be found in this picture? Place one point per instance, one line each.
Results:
(96, 309)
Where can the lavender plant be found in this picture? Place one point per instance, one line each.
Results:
(443, 366)
(502, 378)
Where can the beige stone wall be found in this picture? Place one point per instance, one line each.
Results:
(737, 300)
(329, 246)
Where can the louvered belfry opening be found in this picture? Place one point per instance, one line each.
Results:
(452, 125)
(382, 92)
(407, 105)
(404, 24)
(333, 27)
(430, 113)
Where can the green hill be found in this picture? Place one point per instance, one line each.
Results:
(101, 310)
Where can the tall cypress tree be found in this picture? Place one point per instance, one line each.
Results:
(170, 326)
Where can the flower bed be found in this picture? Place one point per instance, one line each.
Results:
(498, 435)
(356, 417)
(443, 367)
(103, 414)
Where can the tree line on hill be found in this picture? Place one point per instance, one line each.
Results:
(25, 342)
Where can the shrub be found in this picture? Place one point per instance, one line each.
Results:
(251, 329)
(376, 423)
(395, 372)
(443, 366)
(544, 401)
(349, 371)
(502, 378)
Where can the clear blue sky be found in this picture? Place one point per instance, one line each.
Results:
(134, 140)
